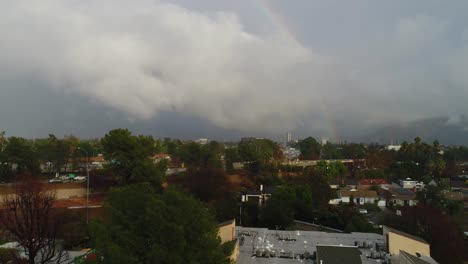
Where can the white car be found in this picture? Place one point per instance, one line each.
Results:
(55, 180)
(80, 178)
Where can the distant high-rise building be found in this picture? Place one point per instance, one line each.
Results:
(325, 140)
(289, 137)
(202, 141)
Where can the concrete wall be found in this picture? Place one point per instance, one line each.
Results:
(397, 242)
(59, 193)
(227, 232)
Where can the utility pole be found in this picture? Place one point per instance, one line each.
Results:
(87, 183)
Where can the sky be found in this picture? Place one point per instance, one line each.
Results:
(226, 69)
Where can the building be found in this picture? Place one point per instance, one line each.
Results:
(262, 246)
(397, 240)
(407, 258)
(397, 196)
(408, 183)
(393, 147)
(202, 141)
(156, 158)
(227, 234)
(358, 196)
(346, 182)
(325, 140)
(259, 196)
(368, 183)
(332, 254)
(306, 163)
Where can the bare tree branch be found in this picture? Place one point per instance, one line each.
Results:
(29, 218)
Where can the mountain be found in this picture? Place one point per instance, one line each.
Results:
(444, 129)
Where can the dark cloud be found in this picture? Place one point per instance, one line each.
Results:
(189, 68)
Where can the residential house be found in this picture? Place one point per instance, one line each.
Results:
(358, 196)
(156, 158)
(258, 196)
(408, 183)
(369, 183)
(397, 196)
(349, 182)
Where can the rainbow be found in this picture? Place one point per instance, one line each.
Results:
(284, 27)
(275, 18)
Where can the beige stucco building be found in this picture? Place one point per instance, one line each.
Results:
(227, 233)
(397, 240)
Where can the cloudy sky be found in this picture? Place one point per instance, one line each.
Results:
(223, 69)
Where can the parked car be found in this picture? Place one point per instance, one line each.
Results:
(55, 180)
(363, 211)
(80, 178)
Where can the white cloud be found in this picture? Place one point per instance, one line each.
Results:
(148, 57)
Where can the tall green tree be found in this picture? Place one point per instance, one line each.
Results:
(20, 155)
(196, 155)
(53, 151)
(257, 152)
(330, 169)
(129, 156)
(144, 227)
(278, 211)
(310, 148)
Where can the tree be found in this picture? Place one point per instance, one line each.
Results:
(19, 153)
(207, 183)
(320, 188)
(354, 151)
(310, 148)
(54, 151)
(232, 155)
(129, 156)
(29, 218)
(257, 152)
(330, 169)
(196, 155)
(278, 211)
(143, 226)
(331, 151)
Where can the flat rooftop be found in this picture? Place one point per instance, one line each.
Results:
(260, 245)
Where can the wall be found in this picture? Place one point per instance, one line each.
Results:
(60, 193)
(397, 242)
(227, 232)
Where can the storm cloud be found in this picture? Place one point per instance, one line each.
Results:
(144, 58)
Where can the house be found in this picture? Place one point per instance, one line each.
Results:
(159, 157)
(332, 254)
(408, 183)
(397, 240)
(349, 182)
(397, 196)
(359, 196)
(368, 183)
(258, 196)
